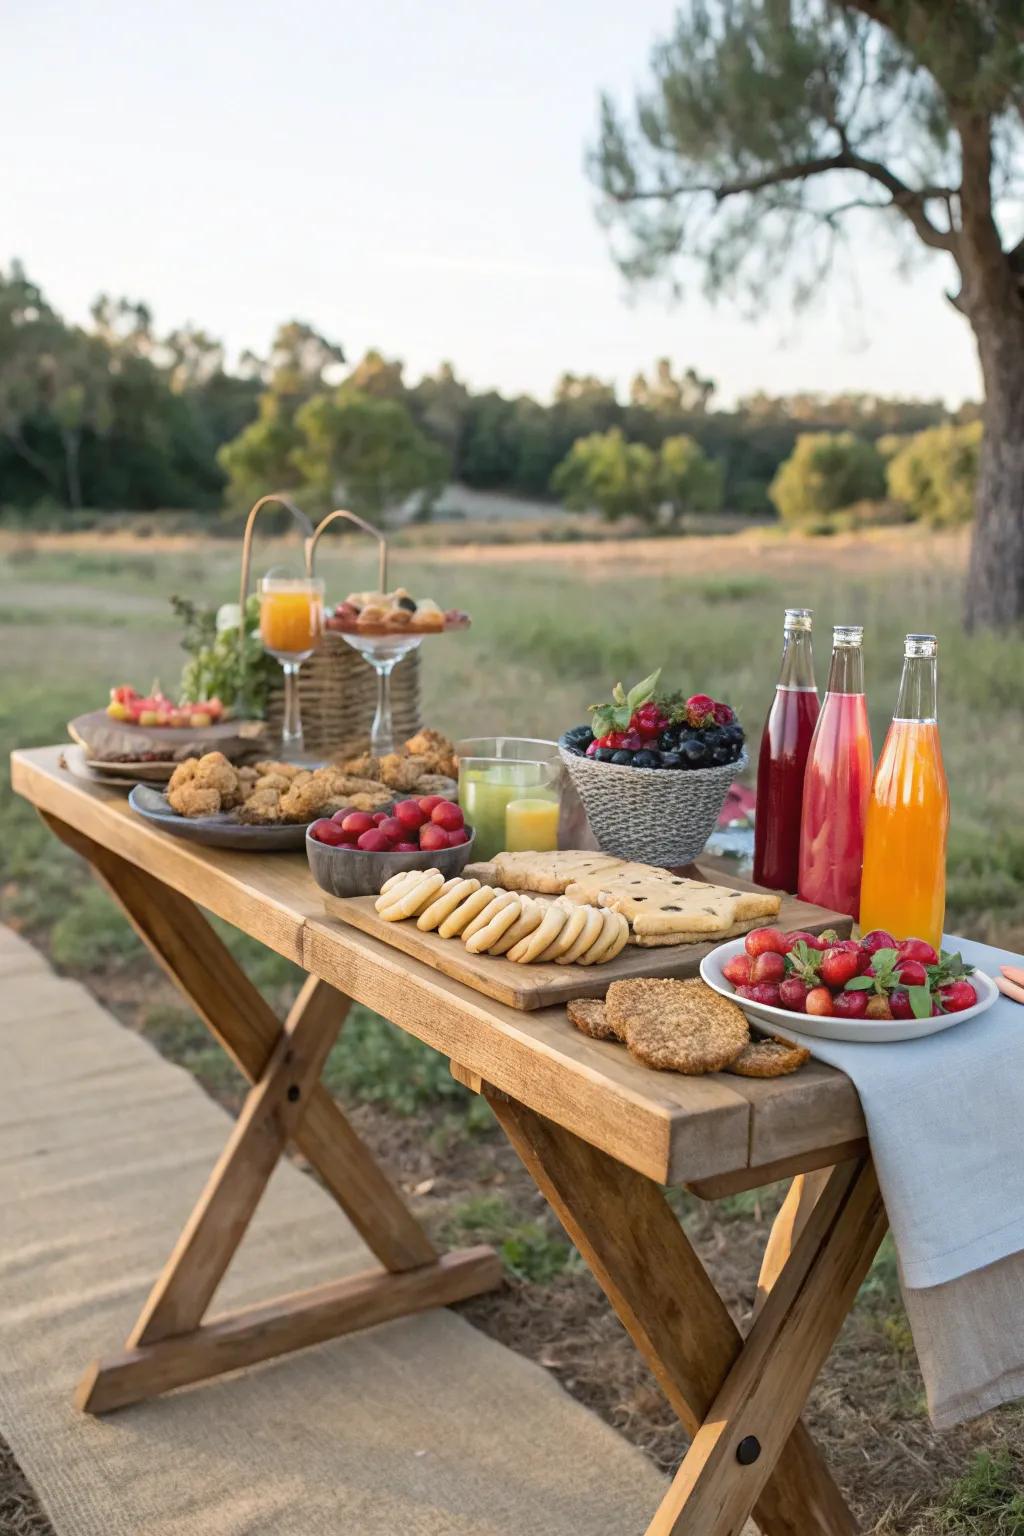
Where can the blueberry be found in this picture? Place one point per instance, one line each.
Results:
(578, 739)
(604, 754)
(671, 759)
(668, 741)
(714, 737)
(735, 752)
(721, 755)
(623, 758)
(694, 753)
(646, 759)
(734, 733)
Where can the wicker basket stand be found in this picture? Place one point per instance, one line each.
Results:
(338, 697)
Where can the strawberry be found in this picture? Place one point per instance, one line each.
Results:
(878, 1008)
(737, 970)
(632, 741)
(955, 996)
(700, 710)
(850, 1005)
(722, 713)
(793, 994)
(877, 939)
(918, 949)
(899, 1004)
(840, 965)
(768, 966)
(819, 1002)
(762, 939)
(911, 973)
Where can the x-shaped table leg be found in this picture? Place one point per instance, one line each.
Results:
(740, 1401)
(170, 1345)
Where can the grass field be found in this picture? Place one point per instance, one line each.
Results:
(554, 627)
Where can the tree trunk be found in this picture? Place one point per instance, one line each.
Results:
(995, 579)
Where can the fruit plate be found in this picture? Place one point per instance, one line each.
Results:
(220, 831)
(122, 775)
(860, 1031)
(114, 745)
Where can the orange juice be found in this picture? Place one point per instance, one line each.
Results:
(904, 885)
(291, 619)
(531, 825)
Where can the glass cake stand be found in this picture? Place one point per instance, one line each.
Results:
(383, 652)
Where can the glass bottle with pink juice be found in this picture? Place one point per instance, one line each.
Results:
(837, 783)
(785, 745)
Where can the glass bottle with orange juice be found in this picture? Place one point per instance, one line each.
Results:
(904, 885)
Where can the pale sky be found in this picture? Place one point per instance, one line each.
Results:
(402, 175)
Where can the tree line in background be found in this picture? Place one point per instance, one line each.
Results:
(114, 415)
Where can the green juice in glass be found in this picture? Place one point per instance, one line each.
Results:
(485, 793)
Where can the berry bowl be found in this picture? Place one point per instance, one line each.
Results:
(784, 1021)
(355, 872)
(651, 815)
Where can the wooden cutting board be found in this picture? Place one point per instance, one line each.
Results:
(542, 986)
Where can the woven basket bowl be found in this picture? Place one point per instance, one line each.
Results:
(653, 815)
(338, 697)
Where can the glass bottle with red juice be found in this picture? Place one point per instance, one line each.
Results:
(785, 744)
(837, 783)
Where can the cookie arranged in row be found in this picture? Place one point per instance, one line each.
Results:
(493, 921)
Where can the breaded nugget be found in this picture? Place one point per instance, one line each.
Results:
(183, 774)
(398, 772)
(213, 771)
(263, 806)
(427, 741)
(362, 767)
(273, 781)
(194, 800)
(677, 1026)
(271, 765)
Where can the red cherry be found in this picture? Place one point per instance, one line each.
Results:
(769, 966)
(819, 1002)
(379, 816)
(458, 837)
(957, 995)
(899, 1004)
(410, 813)
(407, 847)
(762, 939)
(764, 992)
(356, 823)
(327, 831)
(737, 970)
(447, 816)
(850, 1005)
(911, 973)
(392, 829)
(374, 841)
(339, 816)
(840, 965)
(918, 949)
(793, 994)
(877, 939)
(427, 803)
(433, 837)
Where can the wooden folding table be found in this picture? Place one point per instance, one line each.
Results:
(600, 1135)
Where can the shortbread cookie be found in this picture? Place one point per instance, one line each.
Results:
(530, 917)
(613, 929)
(774, 1057)
(576, 921)
(451, 895)
(411, 899)
(660, 940)
(618, 943)
(390, 889)
(678, 1026)
(592, 929)
(464, 913)
(498, 900)
(480, 941)
(534, 945)
(590, 1018)
(549, 872)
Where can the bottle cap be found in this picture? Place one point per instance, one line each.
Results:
(799, 618)
(921, 645)
(848, 634)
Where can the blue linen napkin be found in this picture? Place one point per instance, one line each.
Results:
(945, 1119)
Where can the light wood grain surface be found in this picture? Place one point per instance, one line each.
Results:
(672, 1128)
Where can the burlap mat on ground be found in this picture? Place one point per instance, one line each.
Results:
(422, 1427)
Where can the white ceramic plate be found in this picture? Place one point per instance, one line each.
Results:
(872, 1031)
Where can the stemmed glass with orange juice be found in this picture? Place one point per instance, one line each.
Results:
(291, 628)
(904, 885)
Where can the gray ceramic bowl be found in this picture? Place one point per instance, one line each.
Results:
(351, 872)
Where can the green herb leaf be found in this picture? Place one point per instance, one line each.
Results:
(859, 984)
(885, 959)
(619, 694)
(920, 1002)
(643, 691)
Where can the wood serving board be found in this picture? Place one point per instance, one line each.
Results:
(543, 986)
